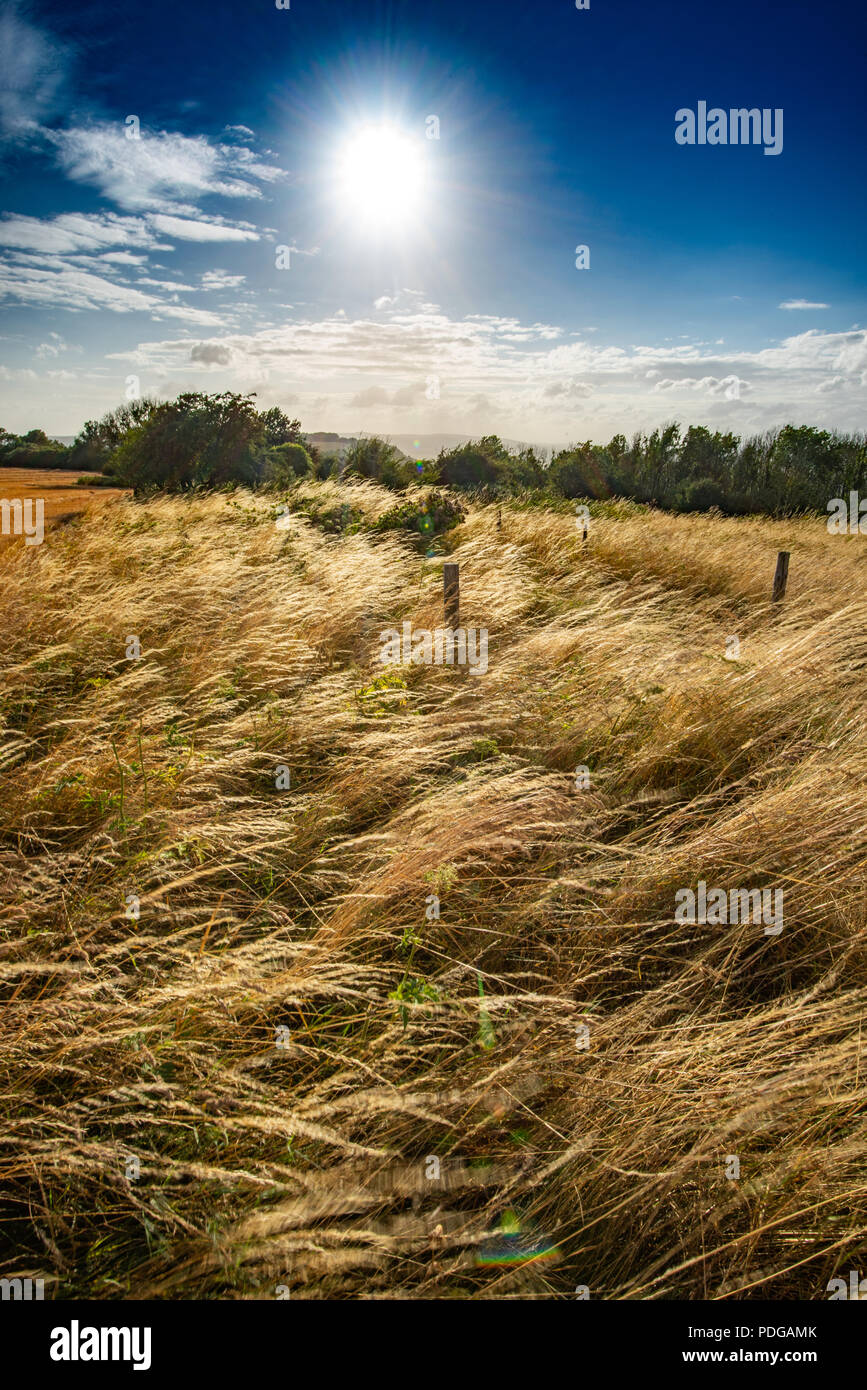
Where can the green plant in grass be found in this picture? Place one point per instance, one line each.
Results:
(413, 989)
(384, 695)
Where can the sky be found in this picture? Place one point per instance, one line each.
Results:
(370, 213)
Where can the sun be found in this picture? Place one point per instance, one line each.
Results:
(381, 177)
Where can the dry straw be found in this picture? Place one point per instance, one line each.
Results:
(308, 1165)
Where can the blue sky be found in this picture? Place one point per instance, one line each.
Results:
(725, 285)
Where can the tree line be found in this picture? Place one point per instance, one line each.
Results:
(223, 440)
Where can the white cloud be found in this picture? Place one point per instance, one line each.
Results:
(174, 286)
(221, 280)
(801, 304)
(74, 231)
(157, 170)
(204, 317)
(80, 234)
(17, 374)
(535, 387)
(68, 288)
(71, 287)
(203, 229)
(494, 373)
(63, 263)
(32, 74)
(818, 354)
(54, 347)
(567, 390)
(371, 395)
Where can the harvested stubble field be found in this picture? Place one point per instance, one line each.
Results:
(286, 1043)
(58, 490)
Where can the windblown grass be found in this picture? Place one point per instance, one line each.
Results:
(311, 1165)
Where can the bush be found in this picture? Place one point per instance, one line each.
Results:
(285, 464)
(36, 455)
(429, 516)
(699, 495)
(326, 466)
(570, 473)
(333, 520)
(478, 464)
(378, 460)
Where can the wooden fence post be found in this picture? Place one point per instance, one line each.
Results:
(452, 595)
(781, 576)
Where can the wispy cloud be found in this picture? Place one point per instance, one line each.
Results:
(65, 263)
(161, 171)
(221, 280)
(33, 68)
(801, 304)
(73, 287)
(54, 347)
(203, 229)
(532, 385)
(74, 231)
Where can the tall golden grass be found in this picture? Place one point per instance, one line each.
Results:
(310, 1165)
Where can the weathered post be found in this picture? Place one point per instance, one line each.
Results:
(499, 518)
(781, 576)
(452, 595)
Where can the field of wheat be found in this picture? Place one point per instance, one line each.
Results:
(241, 1053)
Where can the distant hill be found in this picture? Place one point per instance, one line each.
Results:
(330, 443)
(429, 445)
(423, 446)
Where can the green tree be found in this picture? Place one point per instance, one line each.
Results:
(197, 440)
(278, 428)
(285, 463)
(585, 470)
(708, 455)
(97, 440)
(377, 459)
(479, 463)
